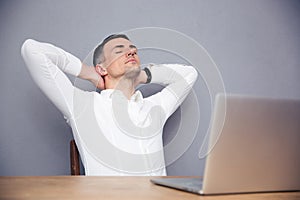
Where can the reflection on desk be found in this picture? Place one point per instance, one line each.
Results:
(125, 188)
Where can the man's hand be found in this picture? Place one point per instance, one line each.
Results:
(90, 74)
(141, 79)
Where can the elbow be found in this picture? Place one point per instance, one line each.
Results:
(193, 74)
(26, 47)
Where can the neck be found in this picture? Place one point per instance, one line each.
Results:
(127, 86)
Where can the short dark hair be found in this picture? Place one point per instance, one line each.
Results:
(98, 52)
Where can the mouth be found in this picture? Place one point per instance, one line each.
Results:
(131, 60)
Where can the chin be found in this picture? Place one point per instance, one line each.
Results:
(132, 72)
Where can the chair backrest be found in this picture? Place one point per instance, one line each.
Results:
(74, 158)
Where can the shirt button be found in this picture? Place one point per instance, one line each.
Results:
(145, 151)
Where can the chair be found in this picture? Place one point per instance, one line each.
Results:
(74, 158)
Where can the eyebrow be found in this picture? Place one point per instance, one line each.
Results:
(122, 46)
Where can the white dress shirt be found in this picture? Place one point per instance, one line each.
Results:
(114, 135)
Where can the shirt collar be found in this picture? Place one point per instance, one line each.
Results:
(136, 97)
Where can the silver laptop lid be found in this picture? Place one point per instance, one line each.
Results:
(258, 147)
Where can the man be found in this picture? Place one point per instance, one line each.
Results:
(117, 131)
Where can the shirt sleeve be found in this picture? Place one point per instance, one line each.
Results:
(47, 65)
(178, 81)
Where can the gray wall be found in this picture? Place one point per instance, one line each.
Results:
(255, 43)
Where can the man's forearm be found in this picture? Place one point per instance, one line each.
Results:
(166, 74)
(178, 81)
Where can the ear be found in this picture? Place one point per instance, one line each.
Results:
(101, 70)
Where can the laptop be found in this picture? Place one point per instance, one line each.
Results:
(255, 150)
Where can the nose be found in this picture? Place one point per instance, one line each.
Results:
(131, 52)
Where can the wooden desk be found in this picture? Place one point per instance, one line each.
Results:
(125, 188)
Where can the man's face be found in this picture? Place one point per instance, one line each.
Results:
(120, 57)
